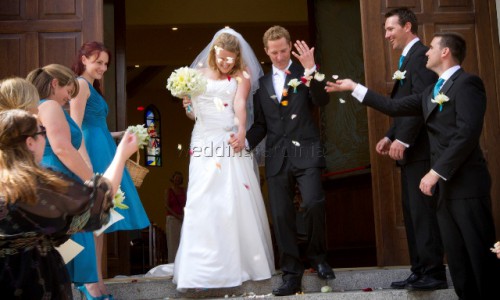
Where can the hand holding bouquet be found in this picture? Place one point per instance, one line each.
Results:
(186, 82)
(142, 135)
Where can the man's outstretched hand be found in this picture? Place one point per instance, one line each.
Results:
(340, 85)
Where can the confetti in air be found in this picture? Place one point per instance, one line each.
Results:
(293, 116)
(335, 77)
(341, 100)
(295, 143)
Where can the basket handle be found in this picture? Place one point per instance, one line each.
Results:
(138, 157)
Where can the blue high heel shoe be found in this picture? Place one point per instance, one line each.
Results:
(85, 293)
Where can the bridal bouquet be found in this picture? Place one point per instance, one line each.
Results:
(142, 134)
(186, 82)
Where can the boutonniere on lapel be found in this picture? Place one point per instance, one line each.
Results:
(294, 83)
(398, 75)
(306, 80)
(440, 99)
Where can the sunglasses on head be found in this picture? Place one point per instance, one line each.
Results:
(42, 132)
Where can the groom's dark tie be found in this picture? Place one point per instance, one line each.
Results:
(437, 87)
(401, 59)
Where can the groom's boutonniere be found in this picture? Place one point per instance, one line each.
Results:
(440, 99)
(294, 83)
(398, 75)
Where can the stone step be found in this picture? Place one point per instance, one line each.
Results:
(349, 284)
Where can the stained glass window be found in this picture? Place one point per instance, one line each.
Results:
(153, 124)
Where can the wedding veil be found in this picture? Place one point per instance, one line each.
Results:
(252, 63)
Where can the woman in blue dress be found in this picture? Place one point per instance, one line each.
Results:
(56, 85)
(89, 109)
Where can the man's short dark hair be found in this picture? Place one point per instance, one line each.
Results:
(455, 42)
(405, 15)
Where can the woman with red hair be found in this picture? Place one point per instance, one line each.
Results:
(89, 110)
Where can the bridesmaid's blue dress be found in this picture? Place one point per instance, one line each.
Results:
(87, 258)
(101, 148)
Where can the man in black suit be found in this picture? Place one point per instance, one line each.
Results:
(407, 143)
(294, 154)
(453, 112)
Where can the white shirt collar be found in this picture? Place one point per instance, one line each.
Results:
(409, 45)
(276, 70)
(448, 73)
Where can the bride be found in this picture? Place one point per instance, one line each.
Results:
(225, 238)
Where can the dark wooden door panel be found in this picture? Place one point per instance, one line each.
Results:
(11, 60)
(60, 9)
(46, 31)
(58, 47)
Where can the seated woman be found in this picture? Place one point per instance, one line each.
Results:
(40, 209)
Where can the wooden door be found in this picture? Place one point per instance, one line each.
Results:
(35, 33)
(476, 21)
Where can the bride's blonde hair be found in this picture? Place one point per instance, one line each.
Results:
(229, 43)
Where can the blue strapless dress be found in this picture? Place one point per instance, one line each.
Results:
(85, 260)
(101, 148)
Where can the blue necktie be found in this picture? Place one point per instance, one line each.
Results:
(401, 59)
(437, 87)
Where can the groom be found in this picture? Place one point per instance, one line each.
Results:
(283, 113)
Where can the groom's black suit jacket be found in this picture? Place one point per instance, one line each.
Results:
(291, 130)
(454, 132)
(411, 129)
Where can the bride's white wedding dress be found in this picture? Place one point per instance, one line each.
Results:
(225, 238)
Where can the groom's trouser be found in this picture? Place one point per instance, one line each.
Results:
(281, 194)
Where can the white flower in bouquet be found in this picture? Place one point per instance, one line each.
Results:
(119, 198)
(142, 134)
(186, 81)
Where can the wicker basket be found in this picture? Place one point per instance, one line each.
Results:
(137, 172)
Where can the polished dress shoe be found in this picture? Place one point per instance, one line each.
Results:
(325, 271)
(403, 283)
(427, 283)
(290, 286)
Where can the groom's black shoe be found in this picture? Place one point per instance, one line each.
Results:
(428, 283)
(290, 286)
(325, 271)
(403, 283)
